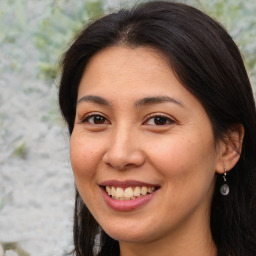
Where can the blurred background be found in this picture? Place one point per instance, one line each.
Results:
(36, 182)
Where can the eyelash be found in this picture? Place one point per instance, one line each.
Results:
(91, 115)
(154, 116)
(161, 118)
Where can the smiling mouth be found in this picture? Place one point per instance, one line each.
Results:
(129, 193)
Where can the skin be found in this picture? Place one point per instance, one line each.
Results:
(181, 156)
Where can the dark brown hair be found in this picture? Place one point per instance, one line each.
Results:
(208, 63)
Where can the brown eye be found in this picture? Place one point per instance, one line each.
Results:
(99, 119)
(159, 120)
(96, 119)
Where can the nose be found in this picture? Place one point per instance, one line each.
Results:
(124, 151)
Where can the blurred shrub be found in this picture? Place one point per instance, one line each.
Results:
(13, 20)
(62, 22)
(67, 17)
(20, 150)
(238, 17)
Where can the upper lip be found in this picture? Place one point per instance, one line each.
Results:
(126, 183)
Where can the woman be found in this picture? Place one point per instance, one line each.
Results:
(163, 135)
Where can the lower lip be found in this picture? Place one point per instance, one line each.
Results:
(127, 205)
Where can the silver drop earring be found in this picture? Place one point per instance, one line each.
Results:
(224, 190)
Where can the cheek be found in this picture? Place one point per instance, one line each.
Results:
(183, 158)
(187, 169)
(83, 156)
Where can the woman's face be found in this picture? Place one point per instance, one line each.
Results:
(142, 149)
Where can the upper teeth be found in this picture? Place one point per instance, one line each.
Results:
(129, 192)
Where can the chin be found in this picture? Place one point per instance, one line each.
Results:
(136, 234)
(128, 238)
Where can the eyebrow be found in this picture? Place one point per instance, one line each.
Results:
(95, 99)
(157, 100)
(139, 103)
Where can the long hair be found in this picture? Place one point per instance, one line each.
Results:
(208, 63)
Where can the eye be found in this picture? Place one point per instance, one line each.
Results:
(95, 119)
(159, 120)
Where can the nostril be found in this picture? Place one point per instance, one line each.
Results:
(122, 167)
(123, 160)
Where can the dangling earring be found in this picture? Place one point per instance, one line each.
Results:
(224, 190)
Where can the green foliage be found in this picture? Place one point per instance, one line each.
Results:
(57, 29)
(58, 21)
(12, 21)
(14, 246)
(238, 17)
(94, 9)
(2, 203)
(20, 150)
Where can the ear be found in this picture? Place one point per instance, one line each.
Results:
(230, 148)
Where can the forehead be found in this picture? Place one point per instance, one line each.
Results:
(122, 55)
(123, 74)
(120, 66)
